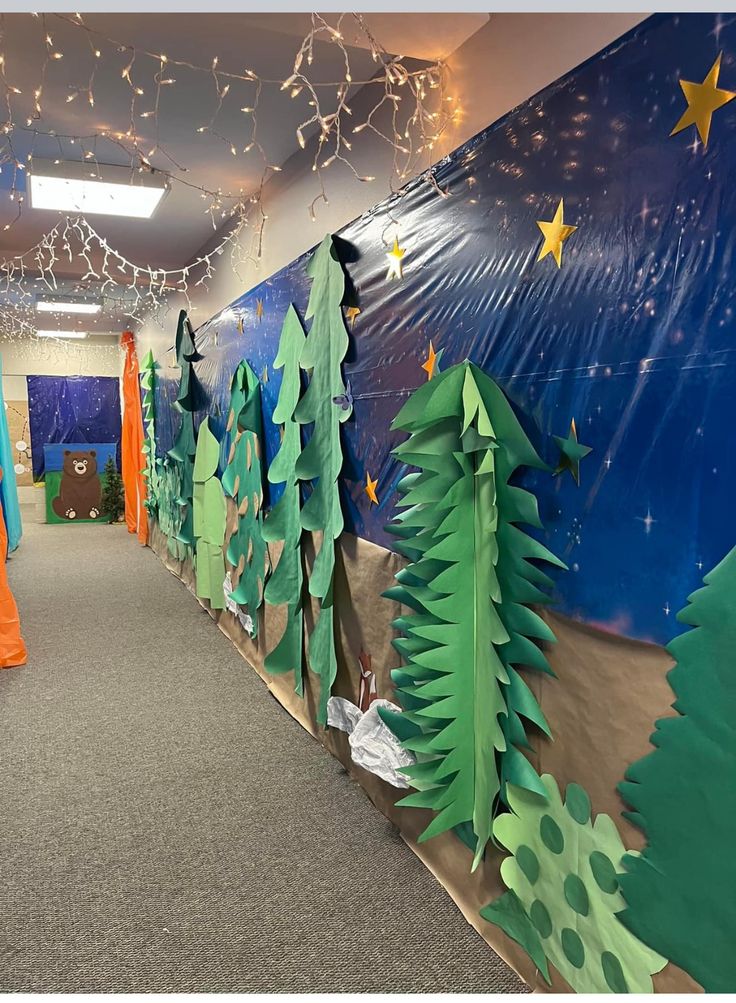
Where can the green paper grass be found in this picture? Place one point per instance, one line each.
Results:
(563, 874)
(468, 582)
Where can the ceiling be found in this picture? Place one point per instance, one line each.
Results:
(265, 43)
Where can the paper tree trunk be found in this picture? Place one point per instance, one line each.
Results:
(680, 890)
(321, 460)
(283, 522)
(468, 585)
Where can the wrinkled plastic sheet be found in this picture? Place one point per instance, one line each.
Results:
(633, 336)
(372, 743)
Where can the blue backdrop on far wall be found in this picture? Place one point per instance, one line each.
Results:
(634, 336)
(72, 409)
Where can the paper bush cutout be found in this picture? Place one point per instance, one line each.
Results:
(680, 891)
(283, 521)
(208, 523)
(468, 584)
(243, 481)
(321, 460)
(563, 896)
(150, 471)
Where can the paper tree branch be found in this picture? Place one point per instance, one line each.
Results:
(243, 481)
(468, 584)
(680, 891)
(208, 524)
(321, 460)
(563, 896)
(283, 521)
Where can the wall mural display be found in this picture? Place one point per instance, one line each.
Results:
(430, 378)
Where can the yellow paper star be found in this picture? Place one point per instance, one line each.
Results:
(351, 313)
(702, 100)
(370, 488)
(555, 233)
(395, 267)
(259, 310)
(430, 362)
(240, 325)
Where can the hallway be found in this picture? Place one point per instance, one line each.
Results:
(168, 827)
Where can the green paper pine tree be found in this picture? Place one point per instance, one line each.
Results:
(208, 519)
(283, 521)
(325, 404)
(680, 891)
(113, 494)
(150, 471)
(182, 456)
(242, 480)
(469, 584)
(563, 896)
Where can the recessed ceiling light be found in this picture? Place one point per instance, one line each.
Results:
(61, 334)
(116, 191)
(63, 304)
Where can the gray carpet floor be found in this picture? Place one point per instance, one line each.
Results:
(166, 826)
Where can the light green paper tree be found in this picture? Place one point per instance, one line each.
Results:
(563, 892)
(243, 481)
(283, 521)
(150, 470)
(208, 523)
(680, 892)
(468, 583)
(321, 460)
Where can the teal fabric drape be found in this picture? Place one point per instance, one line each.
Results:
(8, 485)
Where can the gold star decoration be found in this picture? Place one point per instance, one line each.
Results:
(264, 375)
(431, 361)
(571, 453)
(370, 488)
(555, 233)
(351, 313)
(240, 324)
(702, 100)
(259, 310)
(395, 266)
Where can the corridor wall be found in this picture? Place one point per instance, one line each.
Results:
(623, 328)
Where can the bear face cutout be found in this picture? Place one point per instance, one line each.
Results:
(80, 465)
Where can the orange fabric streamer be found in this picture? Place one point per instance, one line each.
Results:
(131, 446)
(12, 649)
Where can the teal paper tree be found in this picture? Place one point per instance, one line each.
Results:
(150, 470)
(242, 480)
(680, 890)
(182, 454)
(208, 522)
(563, 895)
(469, 584)
(283, 522)
(325, 405)
(188, 396)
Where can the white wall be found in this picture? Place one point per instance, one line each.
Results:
(508, 61)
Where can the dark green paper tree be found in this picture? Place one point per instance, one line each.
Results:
(283, 521)
(242, 480)
(113, 494)
(150, 470)
(681, 891)
(469, 583)
(326, 406)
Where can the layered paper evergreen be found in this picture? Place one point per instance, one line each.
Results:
(680, 890)
(564, 896)
(469, 586)
(189, 396)
(150, 470)
(181, 456)
(242, 480)
(321, 460)
(283, 521)
(208, 522)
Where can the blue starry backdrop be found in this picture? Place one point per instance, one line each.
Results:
(633, 336)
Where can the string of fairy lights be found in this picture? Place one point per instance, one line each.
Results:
(409, 109)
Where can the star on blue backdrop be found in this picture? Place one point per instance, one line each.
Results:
(633, 337)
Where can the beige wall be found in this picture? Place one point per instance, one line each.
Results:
(508, 61)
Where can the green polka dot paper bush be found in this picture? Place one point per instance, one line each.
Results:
(563, 892)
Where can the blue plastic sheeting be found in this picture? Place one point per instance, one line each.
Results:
(633, 336)
(72, 409)
(8, 485)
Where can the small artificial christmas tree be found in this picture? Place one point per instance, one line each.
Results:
(113, 496)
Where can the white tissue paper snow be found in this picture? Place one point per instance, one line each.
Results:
(372, 743)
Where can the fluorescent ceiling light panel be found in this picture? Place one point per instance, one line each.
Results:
(62, 305)
(61, 334)
(114, 191)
